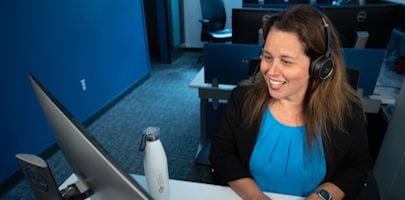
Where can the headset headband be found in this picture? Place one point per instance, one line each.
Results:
(328, 35)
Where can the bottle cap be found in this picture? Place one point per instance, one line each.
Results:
(152, 133)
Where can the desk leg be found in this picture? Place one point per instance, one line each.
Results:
(203, 121)
(206, 123)
(201, 157)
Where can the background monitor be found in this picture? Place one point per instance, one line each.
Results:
(377, 19)
(228, 63)
(246, 23)
(88, 160)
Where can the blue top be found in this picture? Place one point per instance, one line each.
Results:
(281, 161)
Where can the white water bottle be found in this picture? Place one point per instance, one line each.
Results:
(155, 164)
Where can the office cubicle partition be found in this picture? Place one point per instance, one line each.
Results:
(368, 62)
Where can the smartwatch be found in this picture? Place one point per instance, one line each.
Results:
(323, 194)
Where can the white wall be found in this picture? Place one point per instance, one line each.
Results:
(192, 13)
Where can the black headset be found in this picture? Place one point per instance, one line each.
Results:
(322, 67)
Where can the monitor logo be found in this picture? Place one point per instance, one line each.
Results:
(361, 16)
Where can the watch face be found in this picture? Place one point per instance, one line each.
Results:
(325, 195)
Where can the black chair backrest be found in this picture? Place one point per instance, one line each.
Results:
(214, 11)
(353, 76)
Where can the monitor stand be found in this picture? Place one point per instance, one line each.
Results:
(361, 39)
(76, 191)
(42, 182)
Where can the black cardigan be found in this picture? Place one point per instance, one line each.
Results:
(346, 154)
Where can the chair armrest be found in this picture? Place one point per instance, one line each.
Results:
(204, 21)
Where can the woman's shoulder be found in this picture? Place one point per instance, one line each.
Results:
(242, 93)
(356, 112)
(353, 116)
(354, 119)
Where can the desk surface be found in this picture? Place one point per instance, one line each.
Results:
(199, 83)
(180, 190)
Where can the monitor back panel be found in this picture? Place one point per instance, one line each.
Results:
(377, 19)
(246, 23)
(228, 63)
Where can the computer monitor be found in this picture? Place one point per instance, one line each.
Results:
(88, 160)
(246, 23)
(228, 63)
(377, 19)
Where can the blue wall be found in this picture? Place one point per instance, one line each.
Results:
(62, 42)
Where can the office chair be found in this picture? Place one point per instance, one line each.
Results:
(353, 75)
(213, 22)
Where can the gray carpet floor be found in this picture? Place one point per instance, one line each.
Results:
(163, 100)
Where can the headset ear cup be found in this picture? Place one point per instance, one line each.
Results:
(321, 68)
(326, 68)
(314, 68)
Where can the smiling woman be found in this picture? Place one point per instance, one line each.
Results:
(297, 127)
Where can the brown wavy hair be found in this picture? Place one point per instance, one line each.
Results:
(326, 102)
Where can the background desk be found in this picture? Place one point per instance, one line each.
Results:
(212, 100)
(185, 190)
